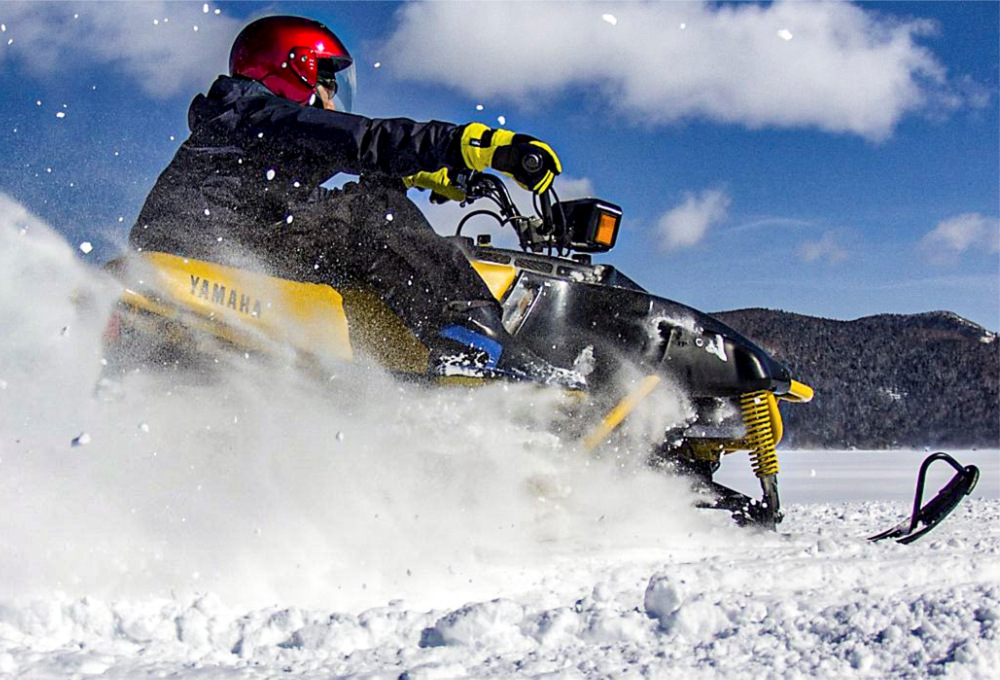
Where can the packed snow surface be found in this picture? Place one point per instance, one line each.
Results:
(256, 523)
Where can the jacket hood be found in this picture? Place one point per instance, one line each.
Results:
(223, 95)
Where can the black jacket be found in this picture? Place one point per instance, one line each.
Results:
(253, 156)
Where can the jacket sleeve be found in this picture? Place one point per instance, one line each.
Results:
(343, 142)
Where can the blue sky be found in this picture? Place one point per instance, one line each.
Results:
(832, 159)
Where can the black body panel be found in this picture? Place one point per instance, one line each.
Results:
(561, 307)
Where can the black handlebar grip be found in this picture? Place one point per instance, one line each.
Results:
(532, 162)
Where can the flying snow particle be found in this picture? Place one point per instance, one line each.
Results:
(610, 18)
(143, 427)
(156, 22)
(82, 440)
(270, 174)
(388, 217)
(3, 28)
(10, 42)
(340, 436)
(479, 107)
(217, 12)
(683, 26)
(204, 8)
(86, 247)
(288, 220)
(38, 102)
(785, 34)
(378, 64)
(196, 29)
(172, 138)
(502, 120)
(207, 212)
(61, 114)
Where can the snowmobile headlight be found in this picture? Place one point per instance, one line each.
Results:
(591, 224)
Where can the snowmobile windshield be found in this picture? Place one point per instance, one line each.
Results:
(340, 82)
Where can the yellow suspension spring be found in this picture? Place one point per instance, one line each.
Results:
(760, 437)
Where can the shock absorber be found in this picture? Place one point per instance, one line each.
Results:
(760, 418)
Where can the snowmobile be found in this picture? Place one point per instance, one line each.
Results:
(567, 309)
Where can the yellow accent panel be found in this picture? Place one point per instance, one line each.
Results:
(498, 277)
(307, 316)
(378, 332)
(620, 412)
(798, 393)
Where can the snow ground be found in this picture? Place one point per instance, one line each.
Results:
(256, 525)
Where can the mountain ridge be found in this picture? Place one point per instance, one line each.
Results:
(885, 380)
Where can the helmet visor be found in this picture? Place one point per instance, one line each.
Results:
(339, 81)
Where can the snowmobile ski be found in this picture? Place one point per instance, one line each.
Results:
(925, 518)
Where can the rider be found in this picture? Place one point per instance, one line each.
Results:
(246, 184)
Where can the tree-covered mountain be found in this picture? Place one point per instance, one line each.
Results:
(884, 381)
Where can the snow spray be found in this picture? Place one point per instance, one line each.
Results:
(261, 484)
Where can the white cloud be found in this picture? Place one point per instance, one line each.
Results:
(165, 47)
(687, 224)
(848, 69)
(826, 248)
(954, 236)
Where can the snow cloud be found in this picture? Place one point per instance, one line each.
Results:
(833, 66)
(954, 236)
(165, 47)
(826, 248)
(687, 224)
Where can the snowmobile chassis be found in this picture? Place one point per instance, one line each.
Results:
(554, 298)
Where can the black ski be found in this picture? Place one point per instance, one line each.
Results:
(925, 518)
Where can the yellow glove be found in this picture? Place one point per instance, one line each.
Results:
(442, 190)
(532, 163)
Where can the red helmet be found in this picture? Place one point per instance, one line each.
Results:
(289, 55)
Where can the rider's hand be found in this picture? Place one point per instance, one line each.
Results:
(532, 163)
(442, 190)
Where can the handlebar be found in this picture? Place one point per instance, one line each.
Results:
(587, 225)
(535, 233)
